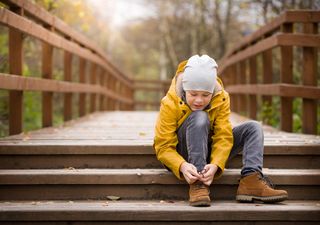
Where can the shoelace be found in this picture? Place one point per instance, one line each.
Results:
(266, 180)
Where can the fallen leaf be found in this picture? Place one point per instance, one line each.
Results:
(105, 204)
(142, 134)
(113, 198)
(71, 202)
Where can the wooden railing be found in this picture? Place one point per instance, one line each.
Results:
(108, 88)
(293, 39)
(151, 91)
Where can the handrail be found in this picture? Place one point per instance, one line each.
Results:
(239, 69)
(107, 85)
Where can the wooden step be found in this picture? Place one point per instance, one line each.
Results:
(158, 212)
(139, 184)
(135, 156)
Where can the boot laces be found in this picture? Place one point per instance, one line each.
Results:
(267, 181)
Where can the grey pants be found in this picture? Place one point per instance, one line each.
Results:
(194, 142)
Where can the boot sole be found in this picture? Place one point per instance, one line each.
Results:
(200, 203)
(271, 199)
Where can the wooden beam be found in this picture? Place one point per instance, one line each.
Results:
(286, 90)
(15, 82)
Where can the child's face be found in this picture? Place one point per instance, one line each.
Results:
(198, 100)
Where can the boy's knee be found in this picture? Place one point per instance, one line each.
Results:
(255, 127)
(200, 118)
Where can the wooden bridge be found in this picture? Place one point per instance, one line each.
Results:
(75, 173)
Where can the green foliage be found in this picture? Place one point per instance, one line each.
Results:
(269, 113)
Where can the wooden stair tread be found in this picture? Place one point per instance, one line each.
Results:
(152, 210)
(143, 176)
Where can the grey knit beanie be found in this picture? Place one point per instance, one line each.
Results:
(200, 74)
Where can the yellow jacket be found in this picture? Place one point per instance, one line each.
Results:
(173, 111)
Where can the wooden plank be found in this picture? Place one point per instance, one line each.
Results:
(82, 79)
(156, 212)
(302, 40)
(67, 103)
(286, 90)
(286, 76)
(28, 27)
(15, 67)
(309, 77)
(47, 97)
(14, 82)
(144, 176)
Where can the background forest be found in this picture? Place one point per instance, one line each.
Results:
(148, 40)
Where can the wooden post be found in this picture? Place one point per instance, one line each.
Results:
(93, 80)
(82, 79)
(47, 97)
(243, 109)
(67, 112)
(309, 106)
(286, 77)
(267, 75)
(253, 80)
(15, 67)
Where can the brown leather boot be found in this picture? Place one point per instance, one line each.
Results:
(199, 194)
(256, 187)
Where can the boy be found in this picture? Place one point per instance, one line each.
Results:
(194, 138)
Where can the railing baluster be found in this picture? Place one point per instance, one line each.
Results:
(309, 106)
(101, 83)
(242, 80)
(67, 106)
(47, 97)
(93, 80)
(82, 79)
(15, 67)
(286, 77)
(267, 76)
(253, 80)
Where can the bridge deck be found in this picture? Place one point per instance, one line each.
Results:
(130, 129)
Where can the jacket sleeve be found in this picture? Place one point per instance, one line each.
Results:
(222, 139)
(165, 140)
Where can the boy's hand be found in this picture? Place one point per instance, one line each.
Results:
(208, 173)
(189, 172)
